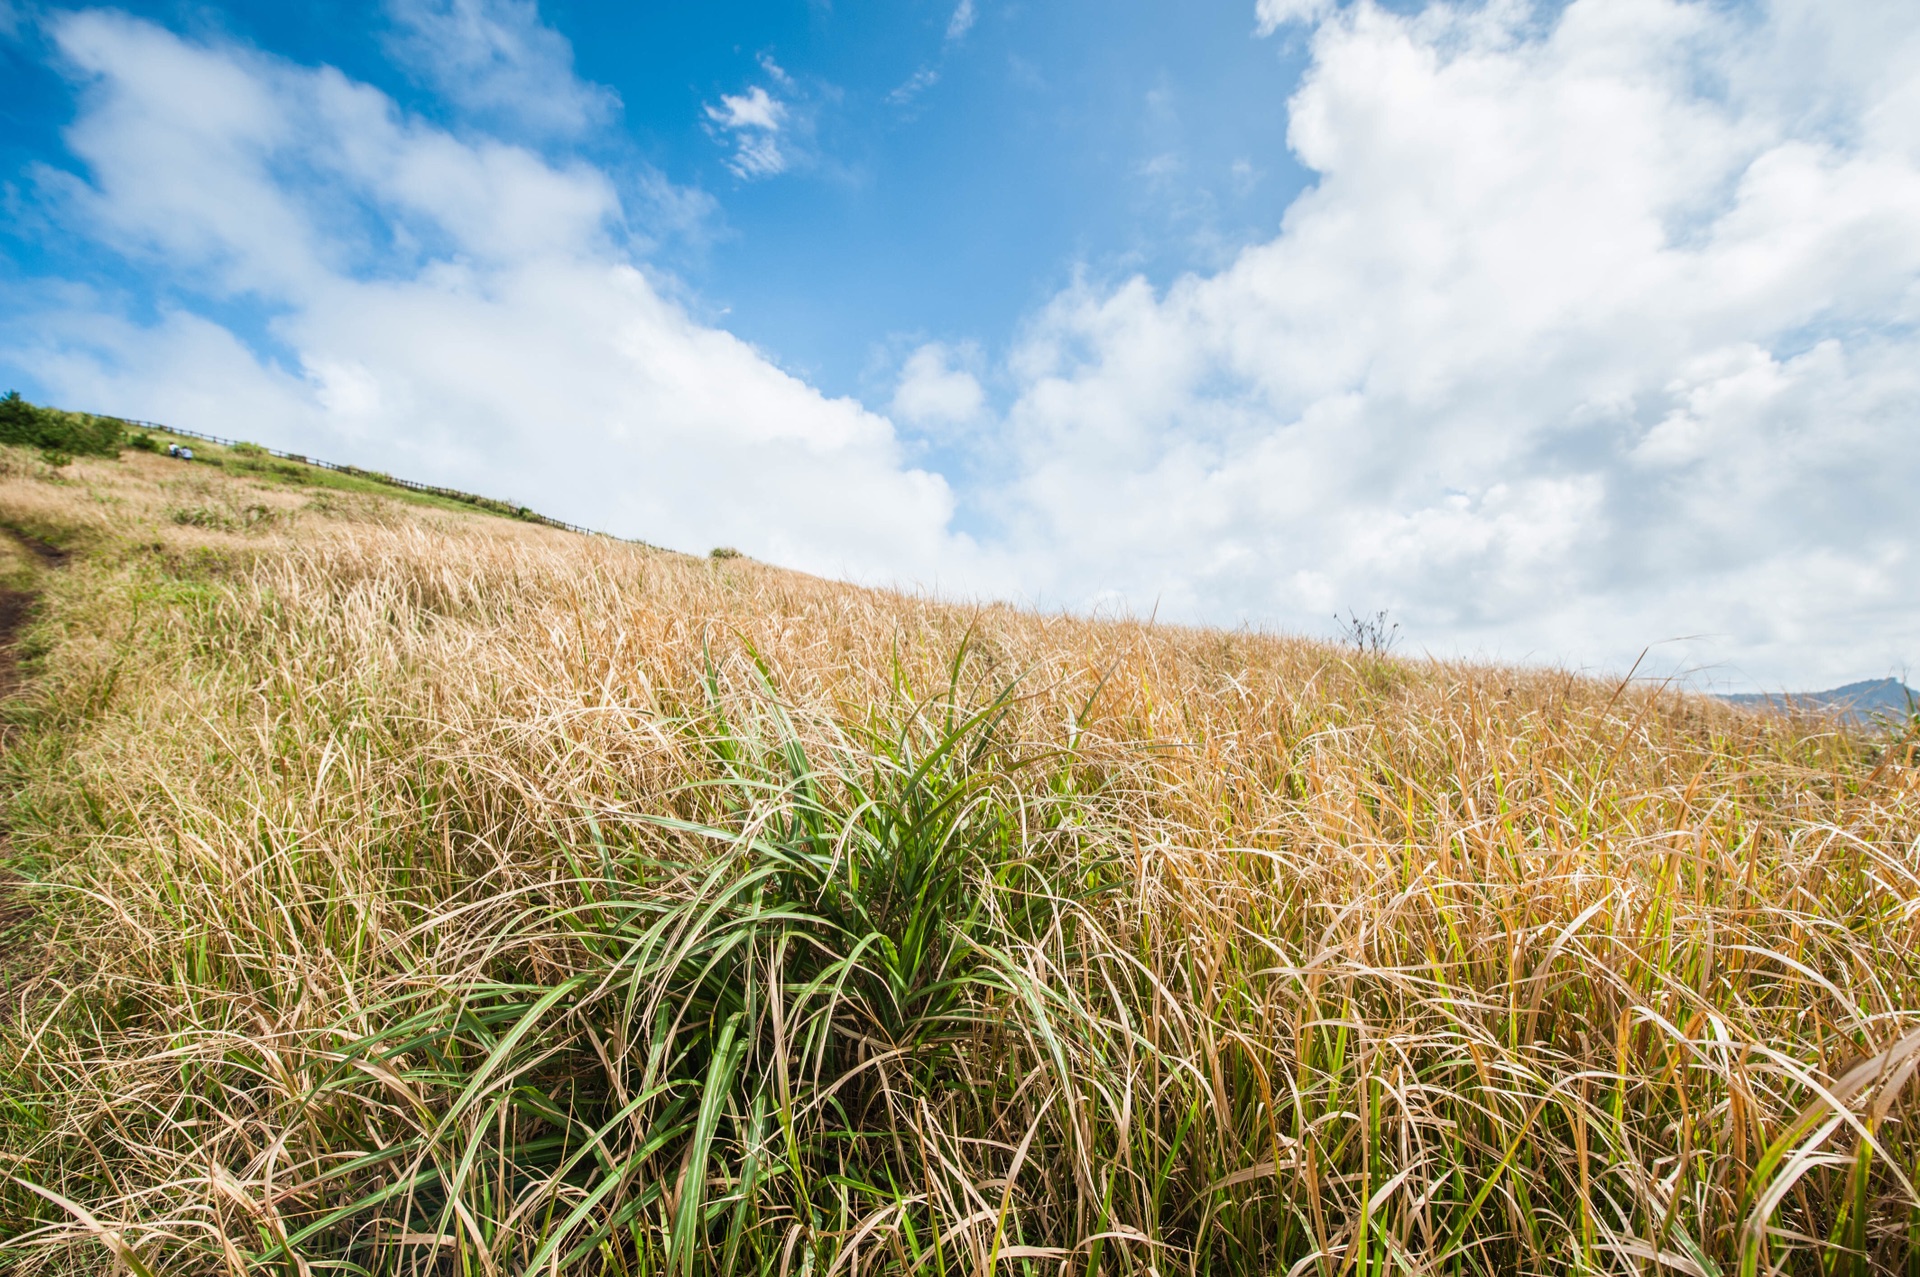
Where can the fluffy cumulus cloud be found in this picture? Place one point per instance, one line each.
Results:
(1598, 328)
(445, 307)
(937, 388)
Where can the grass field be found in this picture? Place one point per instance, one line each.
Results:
(395, 889)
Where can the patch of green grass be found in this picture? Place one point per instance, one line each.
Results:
(248, 518)
(255, 462)
(61, 435)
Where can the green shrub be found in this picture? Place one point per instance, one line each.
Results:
(50, 429)
(248, 450)
(144, 442)
(55, 458)
(724, 552)
(227, 519)
(200, 516)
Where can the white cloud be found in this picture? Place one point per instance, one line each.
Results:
(913, 86)
(925, 77)
(1271, 15)
(933, 393)
(753, 109)
(483, 333)
(962, 20)
(495, 59)
(759, 126)
(1596, 329)
(255, 173)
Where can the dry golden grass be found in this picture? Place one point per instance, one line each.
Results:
(431, 893)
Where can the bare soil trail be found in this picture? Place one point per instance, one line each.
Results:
(17, 913)
(15, 607)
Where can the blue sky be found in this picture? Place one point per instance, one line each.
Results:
(951, 176)
(1559, 329)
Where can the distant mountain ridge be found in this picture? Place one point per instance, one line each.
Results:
(1860, 701)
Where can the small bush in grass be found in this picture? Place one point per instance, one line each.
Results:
(767, 1004)
(225, 520)
(200, 516)
(1373, 635)
(144, 442)
(247, 450)
(725, 552)
(55, 458)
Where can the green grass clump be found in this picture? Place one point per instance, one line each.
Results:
(757, 1020)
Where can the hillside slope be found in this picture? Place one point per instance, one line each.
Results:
(396, 889)
(1862, 702)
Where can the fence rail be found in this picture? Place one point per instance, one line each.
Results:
(507, 508)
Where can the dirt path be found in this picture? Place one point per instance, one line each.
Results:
(51, 556)
(16, 911)
(17, 605)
